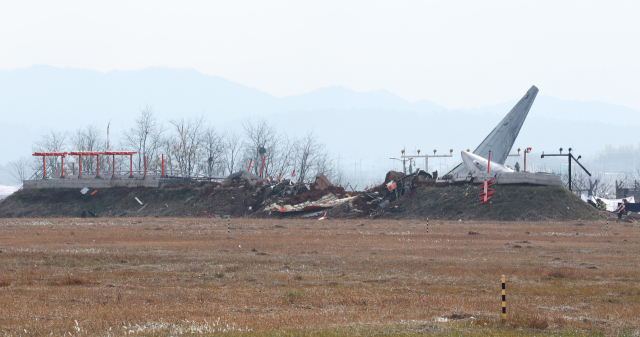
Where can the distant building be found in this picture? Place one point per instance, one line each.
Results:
(625, 192)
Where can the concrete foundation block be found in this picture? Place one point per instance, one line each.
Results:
(90, 183)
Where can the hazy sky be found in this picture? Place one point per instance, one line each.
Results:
(455, 53)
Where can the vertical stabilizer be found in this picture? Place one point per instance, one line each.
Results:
(501, 139)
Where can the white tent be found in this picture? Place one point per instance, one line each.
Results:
(612, 204)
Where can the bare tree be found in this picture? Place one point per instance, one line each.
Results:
(606, 185)
(233, 144)
(327, 166)
(631, 179)
(191, 148)
(20, 170)
(308, 152)
(189, 133)
(261, 143)
(214, 148)
(578, 180)
(89, 138)
(603, 186)
(169, 146)
(145, 138)
(51, 142)
(284, 161)
(312, 158)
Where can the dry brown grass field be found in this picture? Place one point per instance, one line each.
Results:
(308, 277)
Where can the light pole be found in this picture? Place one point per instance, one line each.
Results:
(569, 156)
(426, 157)
(527, 150)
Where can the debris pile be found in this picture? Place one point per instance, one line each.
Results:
(289, 197)
(418, 195)
(242, 179)
(326, 202)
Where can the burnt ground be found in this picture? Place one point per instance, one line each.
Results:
(458, 202)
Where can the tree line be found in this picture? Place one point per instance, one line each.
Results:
(191, 147)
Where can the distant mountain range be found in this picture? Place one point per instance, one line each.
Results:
(355, 125)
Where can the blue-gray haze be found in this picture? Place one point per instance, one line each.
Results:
(361, 129)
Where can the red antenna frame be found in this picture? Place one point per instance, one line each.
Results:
(113, 155)
(51, 154)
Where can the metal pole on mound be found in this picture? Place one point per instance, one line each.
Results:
(62, 167)
(569, 157)
(97, 166)
(527, 150)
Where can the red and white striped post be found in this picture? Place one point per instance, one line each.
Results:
(79, 166)
(44, 169)
(162, 174)
(145, 167)
(130, 166)
(113, 169)
(250, 161)
(489, 162)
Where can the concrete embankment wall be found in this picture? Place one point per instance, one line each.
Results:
(517, 178)
(90, 183)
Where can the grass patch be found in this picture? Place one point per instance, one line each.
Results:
(70, 280)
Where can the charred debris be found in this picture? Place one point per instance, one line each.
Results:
(289, 198)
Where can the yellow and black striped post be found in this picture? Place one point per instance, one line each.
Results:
(504, 300)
